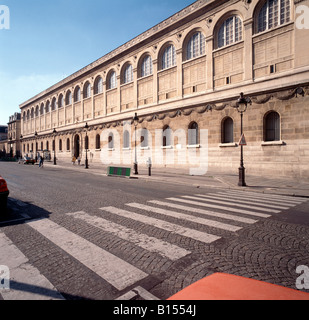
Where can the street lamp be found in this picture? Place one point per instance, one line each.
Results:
(21, 141)
(86, 146)
(36, 146)
(135, 121)
(54, 133)
(242, 105)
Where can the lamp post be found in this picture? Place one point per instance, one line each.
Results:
(11, 147)
(21, 147)
(242, 105)
(36, 146)
(54, 133)
(135, 121)
(86, 146)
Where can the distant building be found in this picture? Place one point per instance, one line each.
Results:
(183, 77)
(14, 133)
(3, 133)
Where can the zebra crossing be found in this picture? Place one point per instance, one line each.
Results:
(224, 212)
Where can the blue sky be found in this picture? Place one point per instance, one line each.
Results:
(50, 40)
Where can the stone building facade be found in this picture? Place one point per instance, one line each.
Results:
(183, 78)
(14, 134)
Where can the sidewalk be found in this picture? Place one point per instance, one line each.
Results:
(280, 186)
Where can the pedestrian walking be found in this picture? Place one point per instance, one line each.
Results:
(41, 162)
(78, 160)
(73, 160)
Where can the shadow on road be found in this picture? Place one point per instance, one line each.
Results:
(18, 212)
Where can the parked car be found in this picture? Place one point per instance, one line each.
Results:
(4, 193)
(221, 286)
(28, 160)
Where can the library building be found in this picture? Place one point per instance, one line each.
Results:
(190, 91)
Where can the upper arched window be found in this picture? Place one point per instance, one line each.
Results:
(68, 98)
(77, 94)
(112, 80)
(230, 31)
(53, 105)
(196, 46)
(168, 57)
(127, 74)
(273, 14)
(47, 110)
(37, 111)
(87, 90)
(98, 85)
(42, 109)
(60, 101)
(146, 66)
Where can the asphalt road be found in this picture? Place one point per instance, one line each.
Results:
(156, 236)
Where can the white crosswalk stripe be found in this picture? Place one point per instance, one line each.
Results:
(151, 244)
(242, 201)
(252, 199)
(114, 270)
(26, 282)
(264, 196)
(177, 229)
(232, 204)
(174, 214)
(230, 209)
(204, 212)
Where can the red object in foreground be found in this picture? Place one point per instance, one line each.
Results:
(220, 286)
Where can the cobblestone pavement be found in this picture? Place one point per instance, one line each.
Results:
(155, 248)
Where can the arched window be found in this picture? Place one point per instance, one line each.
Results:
(228, 130)
(230, 31)
(196, 46)
(60, 145)
(87, 142)
(28, 115)
(98, 85)
(47, 145)
(32, 113)
(273, 14)
(68, 98)
(42, 109)
(169, 57)
(53, 105)
(272, 127)
(126, 139)
(128, 74)
(112, 81)
(37, 111)
(42, 146)
(146, 67)
(24, 116)
(77, 95)
(60, 101)
(47, 110)
(87, 90)
(144, 138)
(193, 134)
(68, 144)
(167, 136)
(97, 142)
(111, 141)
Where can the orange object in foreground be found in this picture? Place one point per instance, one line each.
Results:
(220, 286)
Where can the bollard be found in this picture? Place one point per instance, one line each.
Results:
(149, 165)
